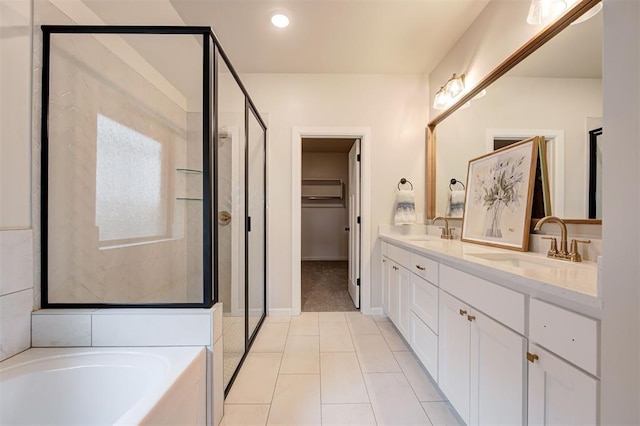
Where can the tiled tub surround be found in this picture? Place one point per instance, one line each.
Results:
(130, 328)
(509, 337)
(16, 291)
(143, 385)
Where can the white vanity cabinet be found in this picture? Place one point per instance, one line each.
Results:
(424, 321)
(499, 353)
(411, 301)
(559, 393)
(396, 289)
(481, 365)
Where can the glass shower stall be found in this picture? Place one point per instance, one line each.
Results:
(153, 177)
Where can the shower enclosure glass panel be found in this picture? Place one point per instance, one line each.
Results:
(231, 216)
(256, 144)
(125, 170)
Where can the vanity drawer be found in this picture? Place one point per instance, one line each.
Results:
(426, 268)
(399, 255)
(504, 305)
(424, 301)
(424, 343)
(568, 334)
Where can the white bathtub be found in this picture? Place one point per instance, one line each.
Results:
(100, 386)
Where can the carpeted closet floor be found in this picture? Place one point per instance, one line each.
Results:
(325, 287)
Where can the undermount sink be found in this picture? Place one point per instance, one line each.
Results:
(418, 238)
(519, 261)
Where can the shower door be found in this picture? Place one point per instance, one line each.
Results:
(256, 218)
(240, 216)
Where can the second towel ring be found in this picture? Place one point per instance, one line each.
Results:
(453, 181)
(404, 181)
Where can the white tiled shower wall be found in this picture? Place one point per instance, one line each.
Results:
(16, 291)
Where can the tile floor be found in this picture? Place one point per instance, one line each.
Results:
(333, 368)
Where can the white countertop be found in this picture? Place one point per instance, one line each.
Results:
(574, 285)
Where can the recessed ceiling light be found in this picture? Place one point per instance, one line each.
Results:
(280, 20)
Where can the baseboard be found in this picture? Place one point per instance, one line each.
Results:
(324, 258)
(375, 311)
(280, 312)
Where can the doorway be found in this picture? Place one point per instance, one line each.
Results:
(330, 234)
(361, 291)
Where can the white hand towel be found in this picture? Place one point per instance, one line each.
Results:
(405, 207)
(456, 203)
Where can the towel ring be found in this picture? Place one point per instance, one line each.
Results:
(453, 181)
(404, 181)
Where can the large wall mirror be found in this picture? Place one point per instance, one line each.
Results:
(552, 87)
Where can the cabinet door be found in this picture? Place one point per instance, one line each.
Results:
(454, 352)
(498, 368)
(404, 309)
(386, 271)
(559, 393)
(394, 293)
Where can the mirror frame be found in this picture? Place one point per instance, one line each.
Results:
(514, 59)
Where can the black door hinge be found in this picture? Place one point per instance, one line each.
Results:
(358, 282)
(358, 157)
(358, 220)
(249, 224)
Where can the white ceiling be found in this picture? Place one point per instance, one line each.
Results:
(334, 36)
(326, 36)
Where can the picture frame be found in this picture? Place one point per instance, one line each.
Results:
(497, 208)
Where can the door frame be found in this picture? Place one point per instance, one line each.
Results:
(364, 134)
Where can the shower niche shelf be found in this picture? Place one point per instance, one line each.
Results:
(189, 172)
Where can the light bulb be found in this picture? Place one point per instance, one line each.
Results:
(280, 20)
(455, 86)
(442, 99)
(544, 11)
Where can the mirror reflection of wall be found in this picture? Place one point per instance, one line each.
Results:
(556, 93)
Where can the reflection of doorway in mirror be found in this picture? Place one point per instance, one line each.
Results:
(554, 141)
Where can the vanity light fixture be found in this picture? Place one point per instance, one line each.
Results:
(542, 12)
(280, 20)
(449, 92)
(455, 85)
(442, 99)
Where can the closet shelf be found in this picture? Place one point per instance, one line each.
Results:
(190, 171)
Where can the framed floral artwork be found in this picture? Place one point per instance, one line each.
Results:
(497, 208)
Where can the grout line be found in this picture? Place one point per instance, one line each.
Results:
(362, 375)
(278, 374)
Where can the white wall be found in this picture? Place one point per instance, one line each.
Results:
(498, 31)
(521, 103)
(16, 236)
(323, 233)
(15, 114)
(621, 214)
(395, 107)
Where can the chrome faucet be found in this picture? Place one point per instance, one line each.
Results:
(561, 253)
(446, 231)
